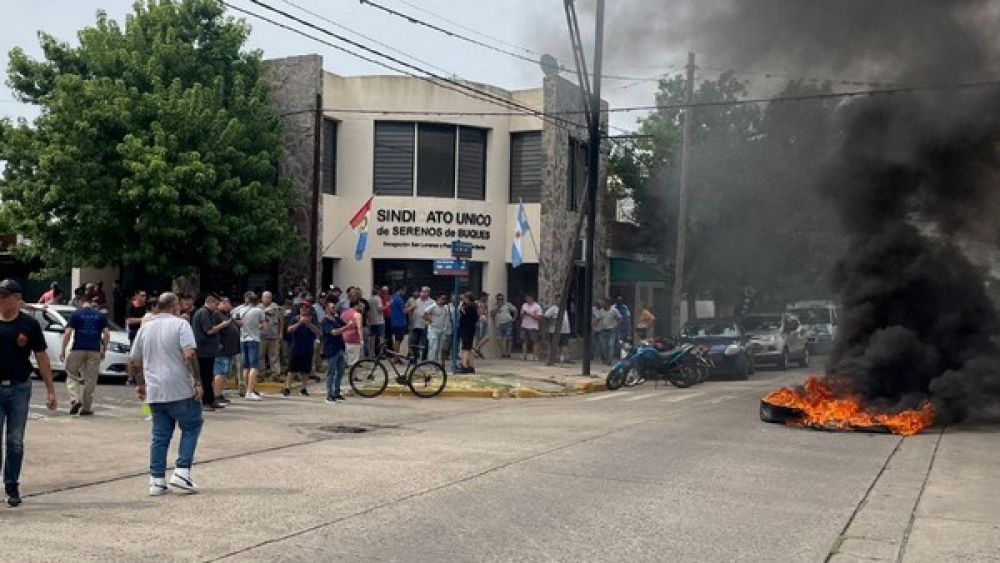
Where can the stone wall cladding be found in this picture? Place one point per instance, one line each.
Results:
(559, 234)
(295, 83)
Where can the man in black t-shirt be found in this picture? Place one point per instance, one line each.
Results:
(20, 336)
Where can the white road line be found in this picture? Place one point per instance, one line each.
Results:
(721, 399)
(608, 395)
(679, 398)
(641, 397)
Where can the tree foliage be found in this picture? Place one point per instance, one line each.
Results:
(155, 147)
(754, 217)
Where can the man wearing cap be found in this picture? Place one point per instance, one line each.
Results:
(20, 336)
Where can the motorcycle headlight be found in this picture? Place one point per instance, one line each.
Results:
(732, 350)
(118, 348)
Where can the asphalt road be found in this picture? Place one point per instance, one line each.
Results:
(648, 474)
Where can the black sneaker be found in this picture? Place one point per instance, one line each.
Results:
(219, 405)
(13, 496)
(304, 392)
(86, 413)
(286, 391)
(339, 398)
(74, 407)
(224, 400)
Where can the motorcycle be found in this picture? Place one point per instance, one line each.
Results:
(682, 365)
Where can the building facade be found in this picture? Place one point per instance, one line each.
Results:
(441, 166)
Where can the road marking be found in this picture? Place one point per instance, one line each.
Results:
(680, 398)
(641, 397)
(608, 395)
(721, 399)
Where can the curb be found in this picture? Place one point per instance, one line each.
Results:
(273, 388)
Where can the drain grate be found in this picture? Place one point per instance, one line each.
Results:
(342, 429)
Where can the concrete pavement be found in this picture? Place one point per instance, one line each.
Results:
(648, 474)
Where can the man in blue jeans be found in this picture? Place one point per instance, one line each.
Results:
(20, 336)
(161, 354)
(333, 350)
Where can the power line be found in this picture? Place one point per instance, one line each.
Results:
(469, 29)
(682, 105)
(362, 35)
(455, 85)
(454, 34)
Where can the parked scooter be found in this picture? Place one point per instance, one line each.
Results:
(682, 365)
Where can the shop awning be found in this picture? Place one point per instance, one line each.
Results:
(631, 271)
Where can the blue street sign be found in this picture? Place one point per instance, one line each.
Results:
(451, 268)
(461, 249)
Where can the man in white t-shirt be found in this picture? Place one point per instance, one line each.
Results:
(436, 318)
(376, 321)
(160, 360)
(562, 338)
(503, 314)
(531, 314)
(250, 318)
(418, 337)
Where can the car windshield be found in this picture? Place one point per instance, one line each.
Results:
(817, 316)
(762, 323)
(710, 329)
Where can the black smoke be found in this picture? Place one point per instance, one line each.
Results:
(914, 176)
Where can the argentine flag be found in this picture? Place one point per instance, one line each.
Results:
(360, 224)
(520, 229)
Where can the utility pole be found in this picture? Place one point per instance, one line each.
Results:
(675, 303)
(593, 173)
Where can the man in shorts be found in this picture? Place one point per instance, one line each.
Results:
(531, 314)
(503, 319)
(250, 318)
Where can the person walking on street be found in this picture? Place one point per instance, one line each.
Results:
(20, 337)
(436, 319)
(468, 320)
(483, 325)
(333, 350)
(250, 318)
(207, 325)
(503, 314)
(134, 311)
(302, 334)
(88, 329)
(605, 325)
(531, 314)
(160, 359)
(270, 336)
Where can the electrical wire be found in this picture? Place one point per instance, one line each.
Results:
(431, 77)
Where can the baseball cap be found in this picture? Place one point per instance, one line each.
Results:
(9, 286)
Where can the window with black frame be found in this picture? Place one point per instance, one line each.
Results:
(430, 160)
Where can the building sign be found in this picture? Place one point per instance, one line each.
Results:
(456, 268)
(461, 249)
(411, 228)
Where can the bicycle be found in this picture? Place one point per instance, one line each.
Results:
(369, 378)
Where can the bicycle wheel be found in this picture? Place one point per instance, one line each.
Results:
(368, 378)
(427, 379)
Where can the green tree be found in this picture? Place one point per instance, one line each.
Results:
(155, 147)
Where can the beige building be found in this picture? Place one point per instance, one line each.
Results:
(441, 166)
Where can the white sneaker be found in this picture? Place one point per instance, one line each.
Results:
(252, 397)
(182, 480)
(157, 486)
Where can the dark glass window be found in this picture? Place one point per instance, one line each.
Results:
(526, 167)
(471, 163)
(394, 153)
(329, 156)
(436, 160)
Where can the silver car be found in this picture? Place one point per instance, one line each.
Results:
(54, 319)
(777, 338)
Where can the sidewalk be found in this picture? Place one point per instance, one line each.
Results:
(503, 379)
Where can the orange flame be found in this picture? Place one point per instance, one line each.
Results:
(830, 405)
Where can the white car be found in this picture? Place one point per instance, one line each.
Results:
(54, 319)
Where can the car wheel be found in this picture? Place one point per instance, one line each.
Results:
(783, 361)
(804, 362)
(743, 372)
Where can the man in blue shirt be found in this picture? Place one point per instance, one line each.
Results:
(88, 329)
(398, 318)
(333, 350)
